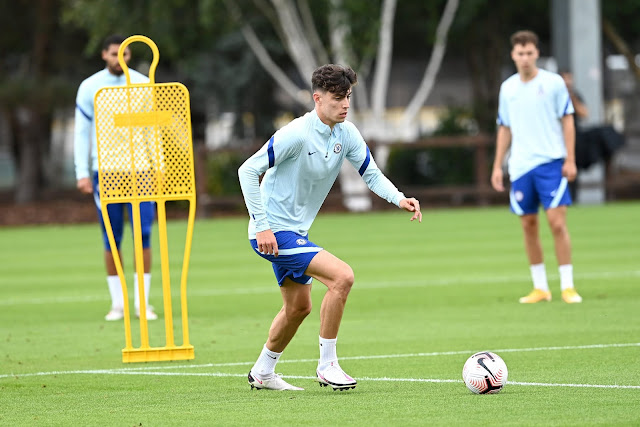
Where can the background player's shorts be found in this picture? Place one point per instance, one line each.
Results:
(295, 252)
(544, 185)
(116, 217)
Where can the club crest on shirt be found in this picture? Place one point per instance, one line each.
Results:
(301, 242)
(337, 148)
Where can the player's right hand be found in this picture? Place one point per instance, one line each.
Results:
(267, 243)
(85, 185)
(496, 180)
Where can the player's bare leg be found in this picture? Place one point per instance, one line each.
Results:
(110, 263)
(530, 229)
(533, 247)
(338, 277)
(296, 306)
(557, 218)
(296, 299)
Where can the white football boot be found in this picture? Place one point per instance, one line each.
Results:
(151, 315)
(272, 382)
(114, 314)
(332, 375)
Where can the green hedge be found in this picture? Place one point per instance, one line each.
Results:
(408, 165)
(432, 166)
(222, 173)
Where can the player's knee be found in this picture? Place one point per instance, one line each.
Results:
(298, 311)
(107, 246)
(529, 223)
(344, 281)
(557, 226)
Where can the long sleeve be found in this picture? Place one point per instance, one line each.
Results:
(249, 176)
(82, 133)
(284, 145)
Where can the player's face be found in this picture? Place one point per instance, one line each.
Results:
(110, 57)
(332, 108)
(525, 57)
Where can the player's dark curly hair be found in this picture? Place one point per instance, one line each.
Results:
(112, 39)
(333, 78)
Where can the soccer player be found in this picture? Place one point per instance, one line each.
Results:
(300, 164)
(86, 166)
(535, 118)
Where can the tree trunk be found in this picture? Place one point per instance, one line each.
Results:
(30, 125)
(300, 96)
(28, 137)
(484, 58)
(435, 61)
(383, 61)
(297, 41)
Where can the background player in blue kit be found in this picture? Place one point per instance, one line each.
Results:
(535, 118)
(86, 165)
(300, 164)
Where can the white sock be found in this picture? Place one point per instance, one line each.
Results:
(146, 277)
(327, 351)
(539, 276)
(266, 363)
(115, 290)
(566, 276)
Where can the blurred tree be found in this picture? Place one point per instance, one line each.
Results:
(34, 68)
(297, 30)
(481, 33)
(620, 28)
(199, 46)
(295, 25)
(204, 48)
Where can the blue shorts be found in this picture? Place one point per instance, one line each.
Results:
(295, 252)
(116, 217)
(544, 185)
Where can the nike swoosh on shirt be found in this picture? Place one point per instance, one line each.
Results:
(310, 153)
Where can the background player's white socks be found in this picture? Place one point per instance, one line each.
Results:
(266, 363)
(115, 290)
(147, 288)
(539, 276)
(327, 351)
(566, 276)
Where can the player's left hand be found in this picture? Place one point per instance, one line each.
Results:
(569, 170)
(412, 205)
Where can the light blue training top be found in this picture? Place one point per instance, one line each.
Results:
(533, 111)
(85, 145)
(301, 162)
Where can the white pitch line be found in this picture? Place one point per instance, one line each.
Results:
(301, 377)
(575, 385)
(394, 356)
(368, 285)
(153, 369)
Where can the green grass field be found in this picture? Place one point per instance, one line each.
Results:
(426, 297)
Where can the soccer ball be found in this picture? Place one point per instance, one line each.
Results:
(485, 373)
